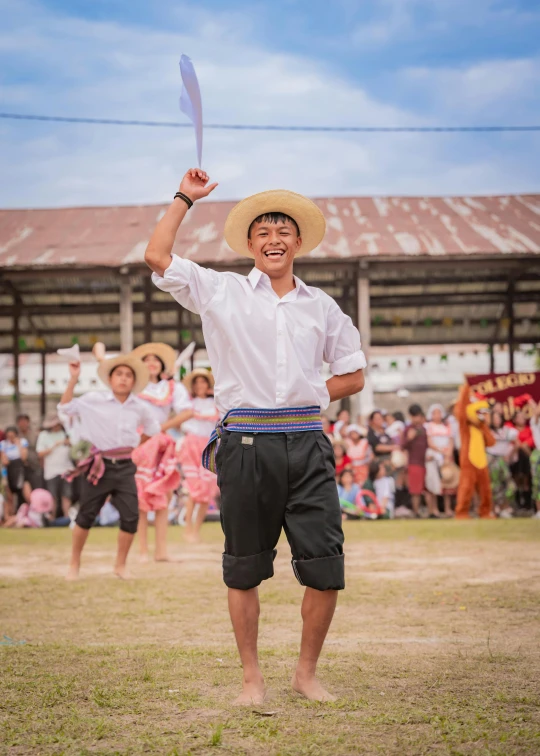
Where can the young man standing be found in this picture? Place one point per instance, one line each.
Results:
(109, 422)
(267, 336)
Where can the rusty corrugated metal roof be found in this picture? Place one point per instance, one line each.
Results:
(357, 227)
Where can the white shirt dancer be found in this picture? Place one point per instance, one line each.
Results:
(267, 336)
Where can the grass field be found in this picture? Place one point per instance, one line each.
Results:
(435, 648)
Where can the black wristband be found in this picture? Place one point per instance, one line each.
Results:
(186, 199)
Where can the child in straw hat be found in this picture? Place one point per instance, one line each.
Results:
(157, 474)
(109, 422)
(267, 335)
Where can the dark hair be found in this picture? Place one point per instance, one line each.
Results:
(399, 416)
(273, 218)
(12, 429)
(345, 472)
(375, 412)
(492, 424)
(23, 416)
(374, 468)
(415, 410)
(204, 377)
(117, 366)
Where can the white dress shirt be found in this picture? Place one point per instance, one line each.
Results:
(265, 352)
(181, 399)
(108, 423)
(205, 418)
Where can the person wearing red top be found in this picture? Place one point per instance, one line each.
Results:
(343, 461)
(415, 442)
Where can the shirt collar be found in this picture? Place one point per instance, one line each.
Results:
(256, 275)
(110, 397)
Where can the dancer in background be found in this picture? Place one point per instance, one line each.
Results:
(109, 422)
(198, 424)
(157, 474)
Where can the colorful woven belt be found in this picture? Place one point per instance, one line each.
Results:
(245, 420)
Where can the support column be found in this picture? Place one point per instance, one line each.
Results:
(364, 401)
(16, 353)
(43, 397)
(510, 311)
(126, 317)
(491, 348)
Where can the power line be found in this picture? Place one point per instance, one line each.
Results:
(253, 127)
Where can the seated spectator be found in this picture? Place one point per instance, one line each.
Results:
(343, 462)
(348, 492)
(415, 443)
(440, 451)
(343, 420)
(14, 451)
(53, 447)
(37, 514)
(395, 425)
(383, 487)
(378, 438)
(500, 457)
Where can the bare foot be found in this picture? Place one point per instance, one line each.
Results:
(311, 688)
(73, 574)
(122, 572)
(165, 559)
(253, 694)
(144, 559)
(191, 538)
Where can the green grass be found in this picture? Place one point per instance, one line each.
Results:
(434, 649)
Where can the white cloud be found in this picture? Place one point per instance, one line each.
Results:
(106, 69)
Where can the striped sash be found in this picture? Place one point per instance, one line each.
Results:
(246, 420)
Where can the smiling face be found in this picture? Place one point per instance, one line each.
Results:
(155, 366)
(274, 240)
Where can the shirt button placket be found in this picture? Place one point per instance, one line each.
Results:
(280, 355)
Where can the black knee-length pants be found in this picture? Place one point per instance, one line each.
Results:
(118, 482)
(270, 481)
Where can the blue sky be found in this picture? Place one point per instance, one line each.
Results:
(348, 62)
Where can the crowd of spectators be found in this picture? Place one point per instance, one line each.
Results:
(391, 466)
(386, 466)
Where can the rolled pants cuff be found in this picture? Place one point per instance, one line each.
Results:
(248, 572)
(323, 574)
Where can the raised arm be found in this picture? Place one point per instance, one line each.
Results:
(74, 373)
(158, 253)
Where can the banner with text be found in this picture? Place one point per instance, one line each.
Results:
(506, 388)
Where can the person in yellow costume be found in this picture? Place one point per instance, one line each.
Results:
(472, 413)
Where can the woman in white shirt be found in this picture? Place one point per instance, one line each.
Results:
(500, 457)
(199, 422)
(165, 398)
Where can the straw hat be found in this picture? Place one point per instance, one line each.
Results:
(190, 377)
(165, 353)
(450, 475)
(307, 215)
(108, 364)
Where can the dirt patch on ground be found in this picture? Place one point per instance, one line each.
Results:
(434, 648)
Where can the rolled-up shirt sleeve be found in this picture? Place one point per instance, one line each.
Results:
(342, 349)
(191, 285)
